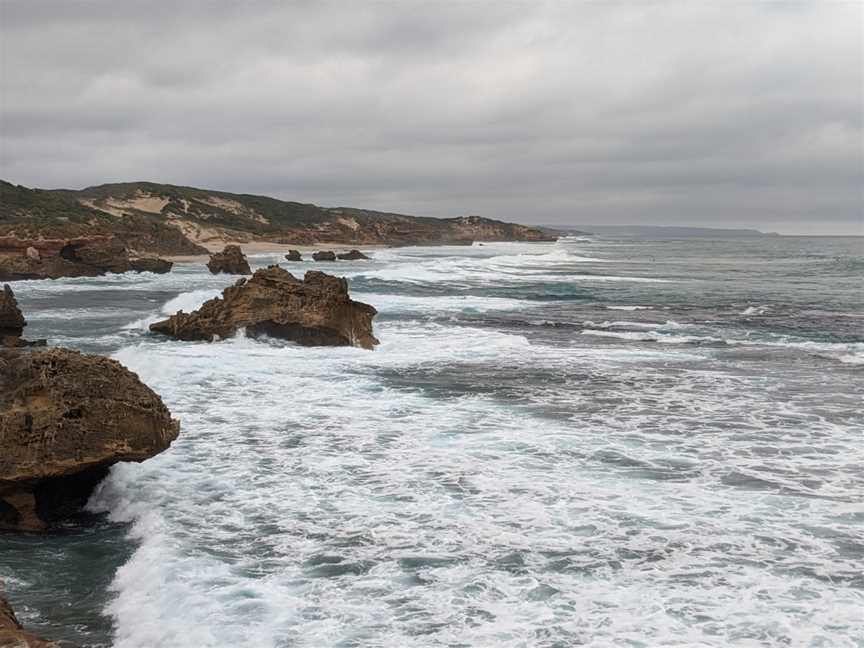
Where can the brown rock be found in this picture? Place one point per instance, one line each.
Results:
(12, 322)
(151, 264)
(55, 258)
(65, 419)
(316, 311)
(324, 255)
(353, 255)
(294, 255)
(231, 260)
(12, 635)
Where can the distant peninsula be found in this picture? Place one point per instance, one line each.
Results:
(658, 231)
(164, 219)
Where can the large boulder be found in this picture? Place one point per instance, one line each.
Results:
(81, 257)
(231, 260)
(324, 255)
(353, 255)
(294, 255)
(314, 311)
(65, 419)
(12, 635)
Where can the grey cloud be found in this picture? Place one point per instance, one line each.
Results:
(728, 113)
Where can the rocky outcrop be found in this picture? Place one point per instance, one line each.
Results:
(314, 311)
(353, 255)
(12, 322)
(12, 635)
(231, 260)
(151, 264)
(65, 419)
(80, 257)
(324, 255)
(293, 255)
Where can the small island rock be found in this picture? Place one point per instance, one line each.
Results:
(231, 260)
(294, 255)
(324, 255)
(353, 255)
(314, 311)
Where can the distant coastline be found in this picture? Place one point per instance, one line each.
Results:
(660, 231)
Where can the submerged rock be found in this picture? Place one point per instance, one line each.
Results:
(324, 255)
(294, 255)
(81, 257)
(12, 634)
(231, 260)
(65, 419)
(353, 255)
(314, 311)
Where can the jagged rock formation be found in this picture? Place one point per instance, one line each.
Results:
(12, 321)
(65, 419)
(169, 219)
(12, 635)
(353, 255)
(79, 257)
(314, 311)
(324, 255)
(231, 260)
(294, 255)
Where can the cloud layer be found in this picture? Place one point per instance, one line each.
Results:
(726, 113)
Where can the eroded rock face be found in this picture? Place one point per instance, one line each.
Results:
(12, 322)
(65, 419)
(294, 255)
(82, 257)
(12, 635)
(314, 311)
(231, 260)
(353, 255)
(324, 255)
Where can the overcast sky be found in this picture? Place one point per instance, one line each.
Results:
(701, 112)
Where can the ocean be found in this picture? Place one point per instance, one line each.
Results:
(592, 442)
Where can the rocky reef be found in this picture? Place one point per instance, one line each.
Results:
(12, 634)
(293, 255)
(314, 311)
(324, 255)
(231, 260)
(65, 419)
(78, 257)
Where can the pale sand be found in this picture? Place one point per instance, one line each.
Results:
(263, 247)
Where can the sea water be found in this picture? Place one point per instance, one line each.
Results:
(589, 442)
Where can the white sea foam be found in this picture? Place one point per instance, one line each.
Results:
(630, 308)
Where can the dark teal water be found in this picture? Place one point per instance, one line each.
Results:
(596, 442)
